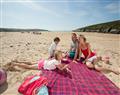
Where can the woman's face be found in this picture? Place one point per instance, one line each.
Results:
(74, 38)
(81, 40)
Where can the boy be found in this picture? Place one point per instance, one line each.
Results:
(53, 47)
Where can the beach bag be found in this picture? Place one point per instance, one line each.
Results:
(42, 90)
(31, 84)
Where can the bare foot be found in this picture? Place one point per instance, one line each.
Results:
(74, 61)
(10, 67)
(15, 64)
(107, 61)
(116, 72)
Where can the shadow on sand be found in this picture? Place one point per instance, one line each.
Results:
(3, 87)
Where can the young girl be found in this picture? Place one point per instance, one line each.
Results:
(45, 64)
(90, 57)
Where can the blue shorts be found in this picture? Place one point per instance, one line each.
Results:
(72, 54)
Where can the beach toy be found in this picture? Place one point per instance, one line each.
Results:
(3, 76)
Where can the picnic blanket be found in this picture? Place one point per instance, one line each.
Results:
(84, 82)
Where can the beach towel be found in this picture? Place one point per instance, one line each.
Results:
(31, 84)
(84, 81)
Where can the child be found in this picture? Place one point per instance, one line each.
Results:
(90, 57)
(53, 47)
(73, 52)
(45, 64)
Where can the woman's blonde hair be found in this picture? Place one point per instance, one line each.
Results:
(57, 54)
(82, 36)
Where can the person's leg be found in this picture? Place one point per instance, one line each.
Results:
(91, 62)
(96, 60)
(105, 60)
(30, 63)
(98, 68)
(26, 66)
(89, 65)
(99, 58)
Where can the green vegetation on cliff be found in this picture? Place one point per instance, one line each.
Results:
(20, 30)
(108, 27)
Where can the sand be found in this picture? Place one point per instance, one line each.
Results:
(31, 47)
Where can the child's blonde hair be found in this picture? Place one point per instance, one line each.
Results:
(57, 54)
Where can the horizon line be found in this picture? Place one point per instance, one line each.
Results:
(59, 29)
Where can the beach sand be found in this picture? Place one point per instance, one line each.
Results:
(31, 47)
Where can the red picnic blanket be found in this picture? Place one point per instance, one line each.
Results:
(84, 82)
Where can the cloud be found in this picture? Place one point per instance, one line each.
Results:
(113, 7)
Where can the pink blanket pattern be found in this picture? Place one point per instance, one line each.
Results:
(84, 82)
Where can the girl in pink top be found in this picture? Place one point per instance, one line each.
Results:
(90, 57)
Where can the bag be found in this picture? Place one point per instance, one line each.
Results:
(23, 87)
(42, 90)
(31, 84)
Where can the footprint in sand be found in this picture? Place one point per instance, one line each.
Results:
(39, 43)
(18, 45)
(11, 46)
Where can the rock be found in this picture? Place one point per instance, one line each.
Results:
(37, 33)
(108, 27)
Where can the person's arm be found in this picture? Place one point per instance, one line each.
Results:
(53, 49)
(76, 52)
(53, 52)
(89, 52)
(62, 66)
(70, 48)
(80, 53)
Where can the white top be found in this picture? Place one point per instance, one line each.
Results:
(74, 45)
(52, 48)
(51, 64)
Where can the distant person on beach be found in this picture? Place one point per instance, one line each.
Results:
(53, 47)
(73, 52)
(45, 64)
(91, 60)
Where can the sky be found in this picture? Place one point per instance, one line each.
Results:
(57, 15)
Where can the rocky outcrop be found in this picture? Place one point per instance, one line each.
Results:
(109, 27)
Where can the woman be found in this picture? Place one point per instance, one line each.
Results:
(90, 57)
(73, 52)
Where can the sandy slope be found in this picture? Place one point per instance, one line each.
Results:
(32, 47)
